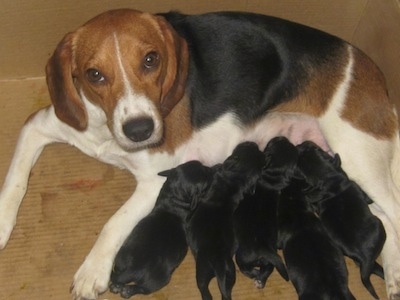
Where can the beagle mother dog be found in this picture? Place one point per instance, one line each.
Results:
(147, 92)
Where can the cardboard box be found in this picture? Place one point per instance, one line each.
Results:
(71, 196)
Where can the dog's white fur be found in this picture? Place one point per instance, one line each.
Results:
(365, 158)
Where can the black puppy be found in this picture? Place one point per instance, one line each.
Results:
(157, 245)
(255, 220)
(343, 208)
(255, 225)
(281, 160)
(210, 228)
(314, 262)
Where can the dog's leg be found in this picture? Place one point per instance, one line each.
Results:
(204, 274)
(373, 163)
(389, 254)
(38, 131)
(93, 276)
(247, 261)
(226, 277)
(369, 164)
(264, 273)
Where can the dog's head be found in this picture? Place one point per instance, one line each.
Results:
(318, 166)
(244, 165)
(131, 65)
(281, 159)
(185, 184)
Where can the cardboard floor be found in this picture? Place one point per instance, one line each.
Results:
(70, 197)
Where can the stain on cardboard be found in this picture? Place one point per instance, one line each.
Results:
(84, 185)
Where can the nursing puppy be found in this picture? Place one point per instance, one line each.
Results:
(255, 225)
(255, 219)
(343, 209)
(281, 156)
(314, 262)
(157, 245)
(210, 228)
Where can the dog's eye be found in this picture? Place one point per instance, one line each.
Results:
(95, 76)
(151, 60)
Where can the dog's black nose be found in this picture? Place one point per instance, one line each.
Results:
(139, 129)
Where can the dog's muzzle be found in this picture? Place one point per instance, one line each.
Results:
(138, 130)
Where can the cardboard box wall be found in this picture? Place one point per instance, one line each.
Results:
(71, 196)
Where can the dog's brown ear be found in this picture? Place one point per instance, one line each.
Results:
(63, 93)
(174, 83)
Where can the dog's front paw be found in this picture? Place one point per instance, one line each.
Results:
(6, 227)
(393, 291)
(392, 279)
(91, 279)
(391, 266)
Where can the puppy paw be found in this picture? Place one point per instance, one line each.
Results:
(91, 279)
(259, 284)
(126, 292)
(116, 288)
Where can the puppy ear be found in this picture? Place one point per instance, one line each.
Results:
(173, 86)
(64, 96)
(165, 173)
(337, 161)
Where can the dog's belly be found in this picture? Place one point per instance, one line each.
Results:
(295, 126)
(211, 145)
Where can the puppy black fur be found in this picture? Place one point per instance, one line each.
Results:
(210, 227)
(343, 209)
(255, 219)
(281, 160)
(255, 225)
(314, 262)
(157, 245)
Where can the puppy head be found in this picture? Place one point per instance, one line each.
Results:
(281, 159)
(185, 184)
(131, 65)
(280, 153)
(317, 165)
(244, 165)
